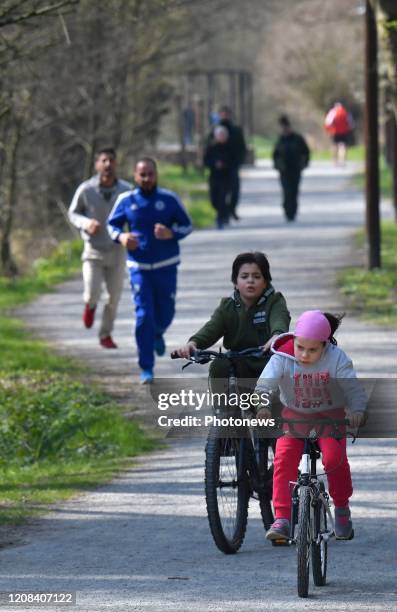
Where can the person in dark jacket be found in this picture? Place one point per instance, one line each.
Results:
(218, 159)
(253, 316)
(290, 156)
(237, 151)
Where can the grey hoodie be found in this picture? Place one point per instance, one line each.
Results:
(329, 384)
(91, 201)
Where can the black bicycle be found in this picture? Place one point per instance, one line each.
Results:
(312, 524)
(237, 467)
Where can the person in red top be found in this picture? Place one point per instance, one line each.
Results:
(339, 125)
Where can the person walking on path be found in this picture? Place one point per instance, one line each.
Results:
(218, 159)
(103, 260)
(305, 367)
(237, 153)
(339, 125)
(156, 221)
(290, 156)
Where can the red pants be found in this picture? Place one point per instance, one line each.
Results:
(288, 454)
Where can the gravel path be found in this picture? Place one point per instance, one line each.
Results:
(142, 542)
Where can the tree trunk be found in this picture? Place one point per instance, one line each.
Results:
(8, 265)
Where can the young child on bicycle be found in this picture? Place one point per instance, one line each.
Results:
(253, 316)
(302, 368)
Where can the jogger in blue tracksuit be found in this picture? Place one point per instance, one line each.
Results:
(156, 222)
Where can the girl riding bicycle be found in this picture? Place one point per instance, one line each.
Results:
(303, 367)
(253, 316)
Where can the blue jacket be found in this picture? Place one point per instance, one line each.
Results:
(141, 211)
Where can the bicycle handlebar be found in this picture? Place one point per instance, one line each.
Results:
(319, 423)
(203, 356)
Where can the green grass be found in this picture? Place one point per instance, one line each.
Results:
(355, 153)
(373, 294)
(59, 434)
(263, 148)
(20, 352)
(44, 274)
(28, 491)
(385, 179)
(192, 187)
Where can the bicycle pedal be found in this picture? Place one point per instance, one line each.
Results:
(346, 539)
(280, 542)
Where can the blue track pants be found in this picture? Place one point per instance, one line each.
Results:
(154, 298)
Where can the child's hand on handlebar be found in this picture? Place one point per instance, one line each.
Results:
(356, 419)
(266, 347)
(186, 350)
(263, 413)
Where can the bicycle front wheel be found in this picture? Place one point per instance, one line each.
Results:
(320, 546)
(226, 491)
(303, 541)
(265, 464)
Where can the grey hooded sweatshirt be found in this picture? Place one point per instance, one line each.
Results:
(330, 383)
(92, 201)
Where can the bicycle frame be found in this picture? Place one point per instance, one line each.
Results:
(308, 478)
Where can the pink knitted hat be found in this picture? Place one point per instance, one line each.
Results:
(313, 325)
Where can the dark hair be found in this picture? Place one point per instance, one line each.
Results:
(106, 150)
(284, 121)
(256, 257)
(334, 320)
(146, 160)
(225, 109)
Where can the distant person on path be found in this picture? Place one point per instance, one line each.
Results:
(290, 156)
(237, 152)
(253, 316)
(339, 125)
(217, 158)
(305, 367)
(103, 260)
(156, 221)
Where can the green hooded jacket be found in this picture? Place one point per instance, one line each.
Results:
(242, 327)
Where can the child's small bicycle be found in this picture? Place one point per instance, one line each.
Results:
(310, 511)
(237, 468)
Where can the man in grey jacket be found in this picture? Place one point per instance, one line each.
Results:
(103, 259)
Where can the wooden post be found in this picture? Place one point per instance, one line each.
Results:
(210, 94)
(393, 158)
(242, 115)
(371, 133)
(250, 105)
(232, 91)
(181, 130)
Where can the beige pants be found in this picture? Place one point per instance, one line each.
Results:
(108, 270)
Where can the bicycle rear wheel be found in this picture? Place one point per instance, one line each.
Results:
(227, 494)
(303, 541)
(320, 550)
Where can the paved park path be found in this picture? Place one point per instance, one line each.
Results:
(142, 542)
